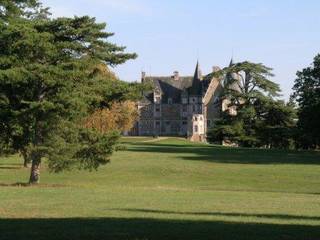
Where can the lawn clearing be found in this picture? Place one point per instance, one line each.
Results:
(168, 189)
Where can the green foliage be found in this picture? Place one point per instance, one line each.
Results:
(22, 8)
(121, 91)
(260, 119)
(47, 87)
(307, 95)
(84, 149)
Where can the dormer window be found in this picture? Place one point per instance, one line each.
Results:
(169, 100)
(184, 108)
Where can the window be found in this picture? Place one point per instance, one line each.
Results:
(157, 123)
(201, 119)
(184, 108)
(184, 101)
(195, 118)
(169, 100)
(184, 123)
(232, 111)
(158, 100)
(167, 123)
(216, 100)
(157, 108)
(194, 108)
(196, 128)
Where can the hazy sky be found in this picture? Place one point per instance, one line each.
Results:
(170, 35)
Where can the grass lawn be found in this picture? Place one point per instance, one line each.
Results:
(168, 189)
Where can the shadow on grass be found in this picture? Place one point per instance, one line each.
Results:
(9, 168)
(148, 229)
(269, 216)
(21, 184)
(221, 154)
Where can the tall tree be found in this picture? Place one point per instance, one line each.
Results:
(307, 95)
(47, 88)
(249, 99)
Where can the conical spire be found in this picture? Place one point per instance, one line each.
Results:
(197, 72)
(196, 88)
(231, 62)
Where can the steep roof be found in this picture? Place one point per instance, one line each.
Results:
(170, 87)
(173, 87)
(196, 87)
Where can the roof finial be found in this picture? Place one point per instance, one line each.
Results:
(231, 61)
(197, 72)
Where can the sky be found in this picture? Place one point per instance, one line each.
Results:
(171, 35)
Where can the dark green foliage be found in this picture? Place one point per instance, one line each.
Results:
(47, 87)
(277, 124)
(22, 8)
(307, 95)
(260, 120)
(84, 148)
(120, 91)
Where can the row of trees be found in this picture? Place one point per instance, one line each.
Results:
(54, 80)
(262, 120)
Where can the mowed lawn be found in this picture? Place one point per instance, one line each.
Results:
(168, 189)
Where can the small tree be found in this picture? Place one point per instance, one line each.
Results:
(47, 88)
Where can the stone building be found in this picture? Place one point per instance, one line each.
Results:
(180, 105)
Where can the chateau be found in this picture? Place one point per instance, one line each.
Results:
(180, 105)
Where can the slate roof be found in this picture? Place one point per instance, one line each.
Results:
(169, 87)
(174, 88)
(196, 87)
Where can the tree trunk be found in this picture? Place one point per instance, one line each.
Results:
(26, 160)
(35, 171)
(25, 163)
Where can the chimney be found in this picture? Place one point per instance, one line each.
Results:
(143, 76)
(176, 75)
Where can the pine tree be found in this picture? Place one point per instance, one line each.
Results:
(47, 88)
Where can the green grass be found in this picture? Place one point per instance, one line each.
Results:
(171, 189)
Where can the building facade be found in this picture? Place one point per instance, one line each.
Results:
(177, 105)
